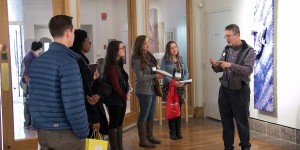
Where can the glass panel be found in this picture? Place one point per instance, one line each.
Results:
(28, 21)
(166, 25)
(105, 21)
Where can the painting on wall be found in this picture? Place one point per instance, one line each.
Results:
(263, 36)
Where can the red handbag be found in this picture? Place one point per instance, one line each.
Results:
(172, 102)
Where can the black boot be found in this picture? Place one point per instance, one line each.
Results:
(178, 127)
(229, 148)
(245, 147)
(120, 137)
(142, 135)
(113, 138)
(173, 135)
(149, 127)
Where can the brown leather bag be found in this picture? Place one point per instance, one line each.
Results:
(157, 88)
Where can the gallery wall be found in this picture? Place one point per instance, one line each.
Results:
(114, 27)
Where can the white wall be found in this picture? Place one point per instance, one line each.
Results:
(140, 16)
(287, 85)
(36, 12)
(114, 27)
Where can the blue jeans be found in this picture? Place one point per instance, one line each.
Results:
(147, 107)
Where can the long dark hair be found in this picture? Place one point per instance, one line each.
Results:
(139, 52)
(167, 55)
(111, 56)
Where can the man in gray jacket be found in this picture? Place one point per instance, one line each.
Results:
(236, 63)
(57, 104)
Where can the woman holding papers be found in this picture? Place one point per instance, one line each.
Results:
(173, 63)
(143, 64)
(115, 74)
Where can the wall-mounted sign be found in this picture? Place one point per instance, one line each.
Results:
(103, 16)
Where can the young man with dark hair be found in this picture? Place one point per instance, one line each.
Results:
(36, 49)
(236, 63)
(57, 103)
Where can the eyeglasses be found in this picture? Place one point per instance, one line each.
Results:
(228, 36)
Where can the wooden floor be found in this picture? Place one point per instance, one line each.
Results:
(202, 134)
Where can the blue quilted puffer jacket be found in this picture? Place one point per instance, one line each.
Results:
(56, 92)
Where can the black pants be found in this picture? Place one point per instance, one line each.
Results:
(235, 104)
(175, 123)
(116, 115)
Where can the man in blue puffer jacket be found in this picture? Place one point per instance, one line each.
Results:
(56, 92)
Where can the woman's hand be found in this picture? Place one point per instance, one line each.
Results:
(179, 84)
(96, 127)
(94, 99)
(96, 75)
(128, 97)
(159, 76)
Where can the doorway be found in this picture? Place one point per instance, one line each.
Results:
(215, 23)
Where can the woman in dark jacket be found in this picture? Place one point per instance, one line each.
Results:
(115, 74)
(82, 45)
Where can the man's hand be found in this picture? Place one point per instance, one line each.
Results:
(214, 63)
(225, 64)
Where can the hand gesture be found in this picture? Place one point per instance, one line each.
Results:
(225, 64)
(213, 62)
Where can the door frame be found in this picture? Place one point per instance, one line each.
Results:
(9, 141)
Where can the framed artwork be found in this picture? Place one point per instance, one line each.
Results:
(263, 37)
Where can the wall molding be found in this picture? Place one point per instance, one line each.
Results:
(198, 112)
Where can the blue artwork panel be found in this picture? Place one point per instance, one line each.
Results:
(263, 33)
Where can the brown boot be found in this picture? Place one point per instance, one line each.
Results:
(150, 136)
(120, 134)
(142, 135)
(113, 138)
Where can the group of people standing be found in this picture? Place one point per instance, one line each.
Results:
(66, 104)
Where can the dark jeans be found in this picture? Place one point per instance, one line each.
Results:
(235, 104)
(147, 107)
(116, 115)
(27, 116)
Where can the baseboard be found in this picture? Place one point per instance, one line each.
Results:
(198, 112)
(275, 130)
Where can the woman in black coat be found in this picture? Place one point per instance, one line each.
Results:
(82, 45)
